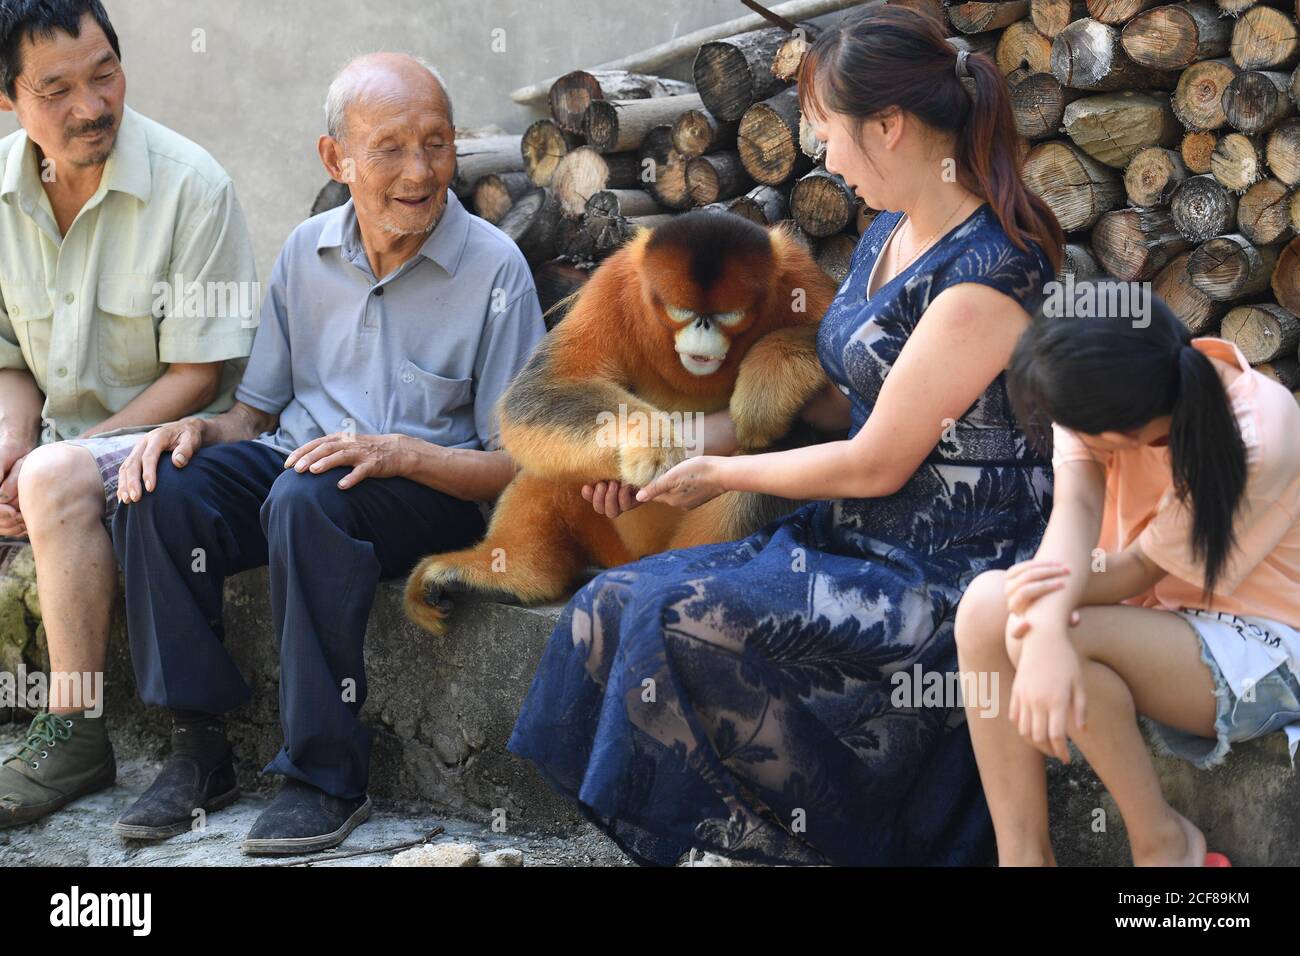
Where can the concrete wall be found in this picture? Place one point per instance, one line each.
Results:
(253, 98)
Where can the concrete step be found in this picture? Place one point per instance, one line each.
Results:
(82, 833)
(443, 709)
(1248, 807)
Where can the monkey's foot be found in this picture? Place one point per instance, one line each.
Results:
(641, 464)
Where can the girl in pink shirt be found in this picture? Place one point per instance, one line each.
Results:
(1167, 584)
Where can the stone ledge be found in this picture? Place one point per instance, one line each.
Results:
(1248, 807)
(443, 709)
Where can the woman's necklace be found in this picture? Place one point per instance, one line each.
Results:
(923, 246)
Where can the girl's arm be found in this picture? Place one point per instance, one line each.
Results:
(963, 341)
(1121, 575)
(1047, 696)
(1078, 502)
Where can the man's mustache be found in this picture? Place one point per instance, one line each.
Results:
(103, 124)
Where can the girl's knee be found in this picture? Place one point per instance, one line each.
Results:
(982, 614)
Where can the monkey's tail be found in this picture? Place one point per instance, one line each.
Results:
(418, 610)
(561, 307)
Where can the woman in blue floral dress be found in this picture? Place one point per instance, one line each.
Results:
(767, 698)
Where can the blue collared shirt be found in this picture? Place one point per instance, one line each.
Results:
(425, 352)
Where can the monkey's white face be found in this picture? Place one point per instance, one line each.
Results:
(702, 341)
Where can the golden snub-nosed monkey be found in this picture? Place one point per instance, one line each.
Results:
(706, 312)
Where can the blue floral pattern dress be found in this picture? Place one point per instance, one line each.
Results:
(762, 698)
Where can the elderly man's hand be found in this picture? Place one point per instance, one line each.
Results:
(12, 523)
(138, 474)
(370, 456)
(13, 452)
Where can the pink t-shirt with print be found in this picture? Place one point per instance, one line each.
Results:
(1262, 575)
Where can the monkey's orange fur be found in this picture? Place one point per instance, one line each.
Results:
(617, 347)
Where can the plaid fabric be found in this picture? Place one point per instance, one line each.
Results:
(109, 451)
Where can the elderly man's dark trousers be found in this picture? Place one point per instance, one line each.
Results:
(235, 507)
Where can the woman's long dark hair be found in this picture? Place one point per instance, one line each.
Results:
(1112, 373)
(887, 56)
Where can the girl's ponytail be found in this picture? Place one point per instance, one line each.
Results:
(1208, 460)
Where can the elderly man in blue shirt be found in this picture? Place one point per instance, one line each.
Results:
(362, 437)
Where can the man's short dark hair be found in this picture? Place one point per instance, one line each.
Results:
(30, 19)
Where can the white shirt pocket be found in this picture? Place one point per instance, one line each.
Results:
(126, 333)
(31, 314)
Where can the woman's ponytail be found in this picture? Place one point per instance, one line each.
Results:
(886, 56)
(988, 147)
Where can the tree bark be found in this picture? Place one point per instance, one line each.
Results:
(1201, 208)
(1076, 187)
(572, 93)
(1229, 267)
(1133, 244)
(733, 74)
(1264, 331)
(822, 203)
(1176, 35)
(768, 140)
(1152, 176)
(1198, 97)
(617, 126)
(1113, 127)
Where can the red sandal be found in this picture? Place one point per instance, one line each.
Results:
(1217, 859)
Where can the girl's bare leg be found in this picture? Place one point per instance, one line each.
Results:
(1012, 771)
(1136, 660)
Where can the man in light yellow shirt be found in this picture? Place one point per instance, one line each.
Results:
(127, 298)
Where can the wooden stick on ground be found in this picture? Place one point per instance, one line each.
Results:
(326, 856)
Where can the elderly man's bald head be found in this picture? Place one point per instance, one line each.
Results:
(392, 140)
(383, 77)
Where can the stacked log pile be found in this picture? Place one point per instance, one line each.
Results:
(1165, 137)
(621, 150)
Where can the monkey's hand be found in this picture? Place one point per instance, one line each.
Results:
(640, 463)
(778, 376)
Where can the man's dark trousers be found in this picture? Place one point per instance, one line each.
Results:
(234, 507)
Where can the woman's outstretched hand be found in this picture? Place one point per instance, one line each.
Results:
(687, 484)
(610, 498)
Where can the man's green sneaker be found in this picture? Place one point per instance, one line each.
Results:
(65, 756)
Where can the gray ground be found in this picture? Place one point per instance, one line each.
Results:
(81, 835)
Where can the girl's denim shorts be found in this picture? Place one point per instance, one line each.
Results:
(1276, 703)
